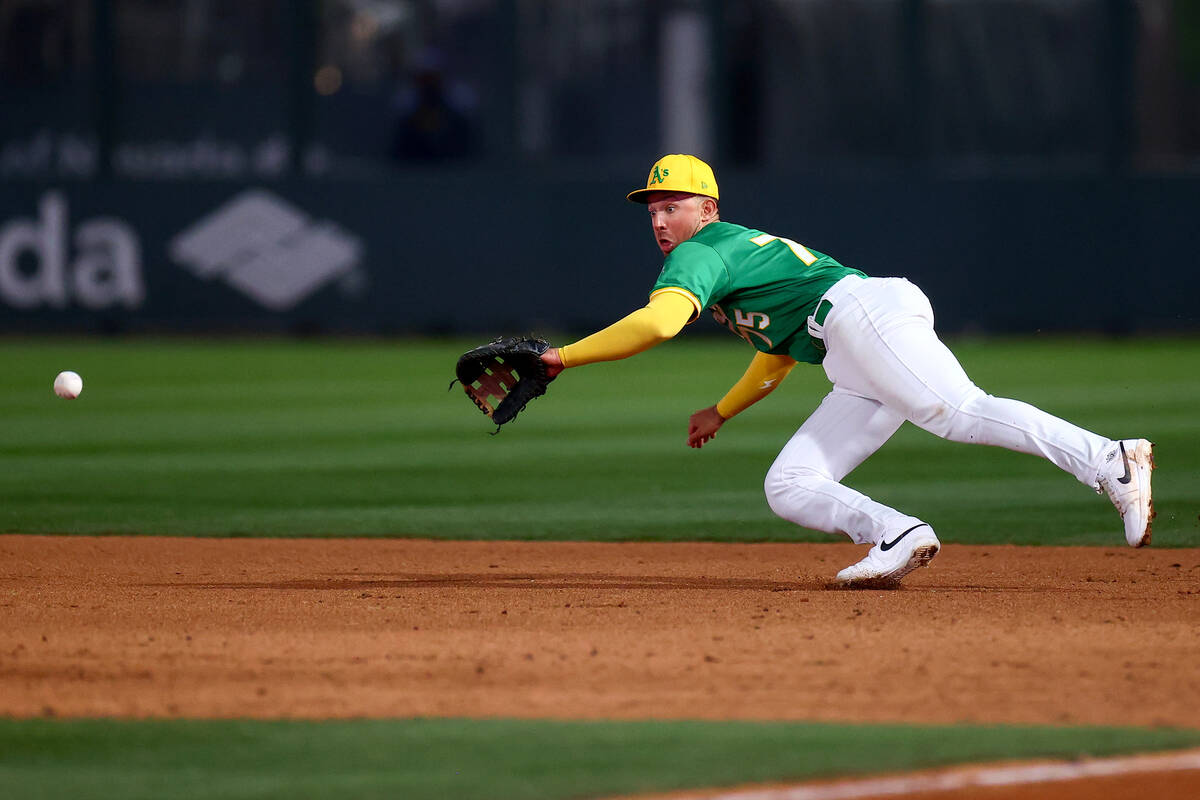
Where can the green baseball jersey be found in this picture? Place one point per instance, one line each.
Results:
(762, 287)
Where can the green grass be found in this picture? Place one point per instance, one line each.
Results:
(487, 759)
(339, 438)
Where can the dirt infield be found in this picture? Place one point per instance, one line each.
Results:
(168, 627)
(334, 628)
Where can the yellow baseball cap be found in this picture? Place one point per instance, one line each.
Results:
(678, 173)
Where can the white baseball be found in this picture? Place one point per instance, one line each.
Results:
(68, 384)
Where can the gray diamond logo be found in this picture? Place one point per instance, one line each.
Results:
(266, 248)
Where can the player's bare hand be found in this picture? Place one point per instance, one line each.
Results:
(553, 362)
(703, 426)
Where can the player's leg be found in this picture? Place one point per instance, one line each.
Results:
(882, 344)
(804, 486)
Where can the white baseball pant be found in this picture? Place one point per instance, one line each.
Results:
(887, 365)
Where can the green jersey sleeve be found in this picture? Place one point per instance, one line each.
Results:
(696, 268)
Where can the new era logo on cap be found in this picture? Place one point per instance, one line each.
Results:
(678, 172)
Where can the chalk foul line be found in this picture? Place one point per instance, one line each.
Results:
(969, 777)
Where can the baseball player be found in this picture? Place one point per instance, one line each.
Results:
(876, 341)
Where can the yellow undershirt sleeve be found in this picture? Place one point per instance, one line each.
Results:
(766, 371)
(659, 320)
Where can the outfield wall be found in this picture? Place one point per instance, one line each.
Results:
(479, 251)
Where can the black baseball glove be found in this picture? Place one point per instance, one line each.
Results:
(502, 376)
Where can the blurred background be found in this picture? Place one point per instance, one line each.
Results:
(459, 166)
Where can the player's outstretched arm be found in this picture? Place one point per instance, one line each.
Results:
(662, 318)
(766, 371)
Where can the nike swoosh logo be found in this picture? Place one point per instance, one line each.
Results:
(885, 545)
(767, 384)
(1127, 477)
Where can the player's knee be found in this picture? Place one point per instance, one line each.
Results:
(947, 419)
(936, 416)
(786, 487)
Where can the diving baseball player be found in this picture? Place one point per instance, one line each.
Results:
(876, 341)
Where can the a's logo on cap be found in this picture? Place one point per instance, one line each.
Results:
(659, 174)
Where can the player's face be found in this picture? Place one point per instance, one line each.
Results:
(675, 217)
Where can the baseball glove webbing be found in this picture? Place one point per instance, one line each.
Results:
(502, 376)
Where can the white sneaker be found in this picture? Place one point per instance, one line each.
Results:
(1125, 478)
(892, 559)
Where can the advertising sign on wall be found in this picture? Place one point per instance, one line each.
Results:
(514, 251)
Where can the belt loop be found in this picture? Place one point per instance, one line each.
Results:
(822, 311)
(816, 324)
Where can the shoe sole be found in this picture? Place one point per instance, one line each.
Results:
(920, 557)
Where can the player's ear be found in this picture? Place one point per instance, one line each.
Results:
(708, 208)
